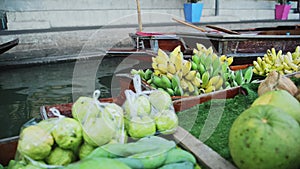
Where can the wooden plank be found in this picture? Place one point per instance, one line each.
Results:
(204, 154)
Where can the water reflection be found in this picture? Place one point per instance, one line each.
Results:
(24, 90)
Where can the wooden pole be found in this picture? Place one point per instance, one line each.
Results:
(139, 15)
(189, 24)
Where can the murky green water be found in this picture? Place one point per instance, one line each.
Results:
(24, 90)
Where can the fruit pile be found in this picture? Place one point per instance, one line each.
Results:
(267, 135)
(282, 63)
(204, 73)
(149, 113)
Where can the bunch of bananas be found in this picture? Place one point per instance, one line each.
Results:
(204, 73)
(210, 67)
(173, 74)
(282, 63)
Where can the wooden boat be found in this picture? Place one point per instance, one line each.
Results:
(8, 45)
(153, 41)
(246, 43)
(204, 154)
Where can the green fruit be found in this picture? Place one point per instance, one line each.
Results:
(143, 105)
(177, 155)
(84, 107)
(98, 131)
(281, 99)
(85, 149)
(35, 142)
(265, 137)
(166, 122)
(60, 156)
(98, 163)
(139, 127)
(67, 133)
(160, 100)
(115, 112)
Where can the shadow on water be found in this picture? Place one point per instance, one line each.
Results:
(24, 90)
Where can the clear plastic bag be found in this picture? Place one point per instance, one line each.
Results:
(148, 112)
(57, 142)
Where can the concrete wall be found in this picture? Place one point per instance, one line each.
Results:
(42, 14)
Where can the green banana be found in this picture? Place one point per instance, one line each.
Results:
(178, 91)
(166, 83)
(157, 81)
(170, 91)
(201, 68)
(175, 81)
(148, 74)
(205, 79)
(196, 59)
(194, 66)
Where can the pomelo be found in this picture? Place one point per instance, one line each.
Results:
(265, 137)
(281, 99)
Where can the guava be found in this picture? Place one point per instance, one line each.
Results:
(48, 124)
(116, 114)
(35, 142)
(143, 105)
(98, 131)
(84, 107)
(67, 133)
(85, 149)
(281, 99)
(139, 127)
(60, 156)
(166, 122)
(160, 100)
(139, 106)
(265, 137)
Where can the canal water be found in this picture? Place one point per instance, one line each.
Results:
(24, 90)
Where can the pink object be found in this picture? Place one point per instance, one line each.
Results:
(148, 33)
(282, 11)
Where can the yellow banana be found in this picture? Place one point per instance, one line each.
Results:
(191, 75)
(157, 72)
(179, 74)
(214, 56)
(195, 51)
(257, 66)
(154, 65)
(279, 53)
(255, 71)
(186, 67)
(219, 84)
(162, 54)
(214, 80)
(171, 68)
(223, 58)
(229, 60)
(183, 84)
(169, 75)
(178, 62)
(162, 67)
(209, 51)
(190, 86)
(196, 82)
(286, 66)
(259, 60)
(174, 53)
(201, 47)
(268, 61)
(210, 89)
